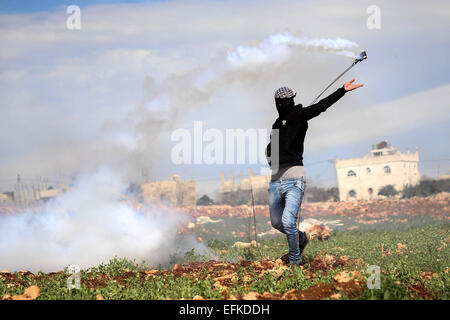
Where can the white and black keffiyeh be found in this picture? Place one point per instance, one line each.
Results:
(284, 92)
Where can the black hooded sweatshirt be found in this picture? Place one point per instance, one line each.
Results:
(292, 123)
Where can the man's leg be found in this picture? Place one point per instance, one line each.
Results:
(276, 206)
(304, 237)
(293, 196)
(303, 240)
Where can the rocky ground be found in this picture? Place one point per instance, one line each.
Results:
(437, 206)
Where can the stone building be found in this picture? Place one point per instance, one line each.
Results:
(49, 193)
(24, 194)
(174, 191)
(3, 197)
(240, 193)
(362, 178)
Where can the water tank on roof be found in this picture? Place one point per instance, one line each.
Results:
(382, 145)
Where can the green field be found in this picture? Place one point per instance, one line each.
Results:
(414, 264)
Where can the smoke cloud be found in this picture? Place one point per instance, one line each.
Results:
(90, 225)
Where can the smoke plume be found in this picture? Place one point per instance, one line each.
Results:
(87, 226)
(278, 47)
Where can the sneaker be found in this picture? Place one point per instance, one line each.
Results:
(304, 240)
(304, 237)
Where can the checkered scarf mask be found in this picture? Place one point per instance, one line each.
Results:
(284, 92)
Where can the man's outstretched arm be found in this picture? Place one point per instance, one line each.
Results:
(319, 107)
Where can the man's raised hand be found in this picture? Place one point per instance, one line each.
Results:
(349, 86)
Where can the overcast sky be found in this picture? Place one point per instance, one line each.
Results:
(113, 91)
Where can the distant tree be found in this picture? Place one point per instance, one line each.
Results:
(388, 191)
(236, 198)
(204, 201)
(134, 191)
(334, 193)
(426, 187)
(240, 197)
(318, 194)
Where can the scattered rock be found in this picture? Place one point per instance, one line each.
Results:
(30, 293)
(278, 262)
(151, 272)
(330, 259)
(428, 275)
(231, 277)
(401, 247)
(191, 225)
(239, 244)
(336, 296)
(251, 296)
(344, 276)
(33, 292)
(319, 232)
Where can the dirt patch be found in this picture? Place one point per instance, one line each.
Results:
(352, 288)
(419, 290)
(316, 292)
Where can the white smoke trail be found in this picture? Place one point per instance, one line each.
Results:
(278, 47)
(87, 226)
(195, 87)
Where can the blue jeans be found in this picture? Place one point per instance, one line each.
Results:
(285, 199)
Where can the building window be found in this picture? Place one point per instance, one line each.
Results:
(351, 173)
(387, 169)
(368, 170)
(352, 193)
(370, 190)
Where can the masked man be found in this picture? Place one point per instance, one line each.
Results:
(285, 157)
